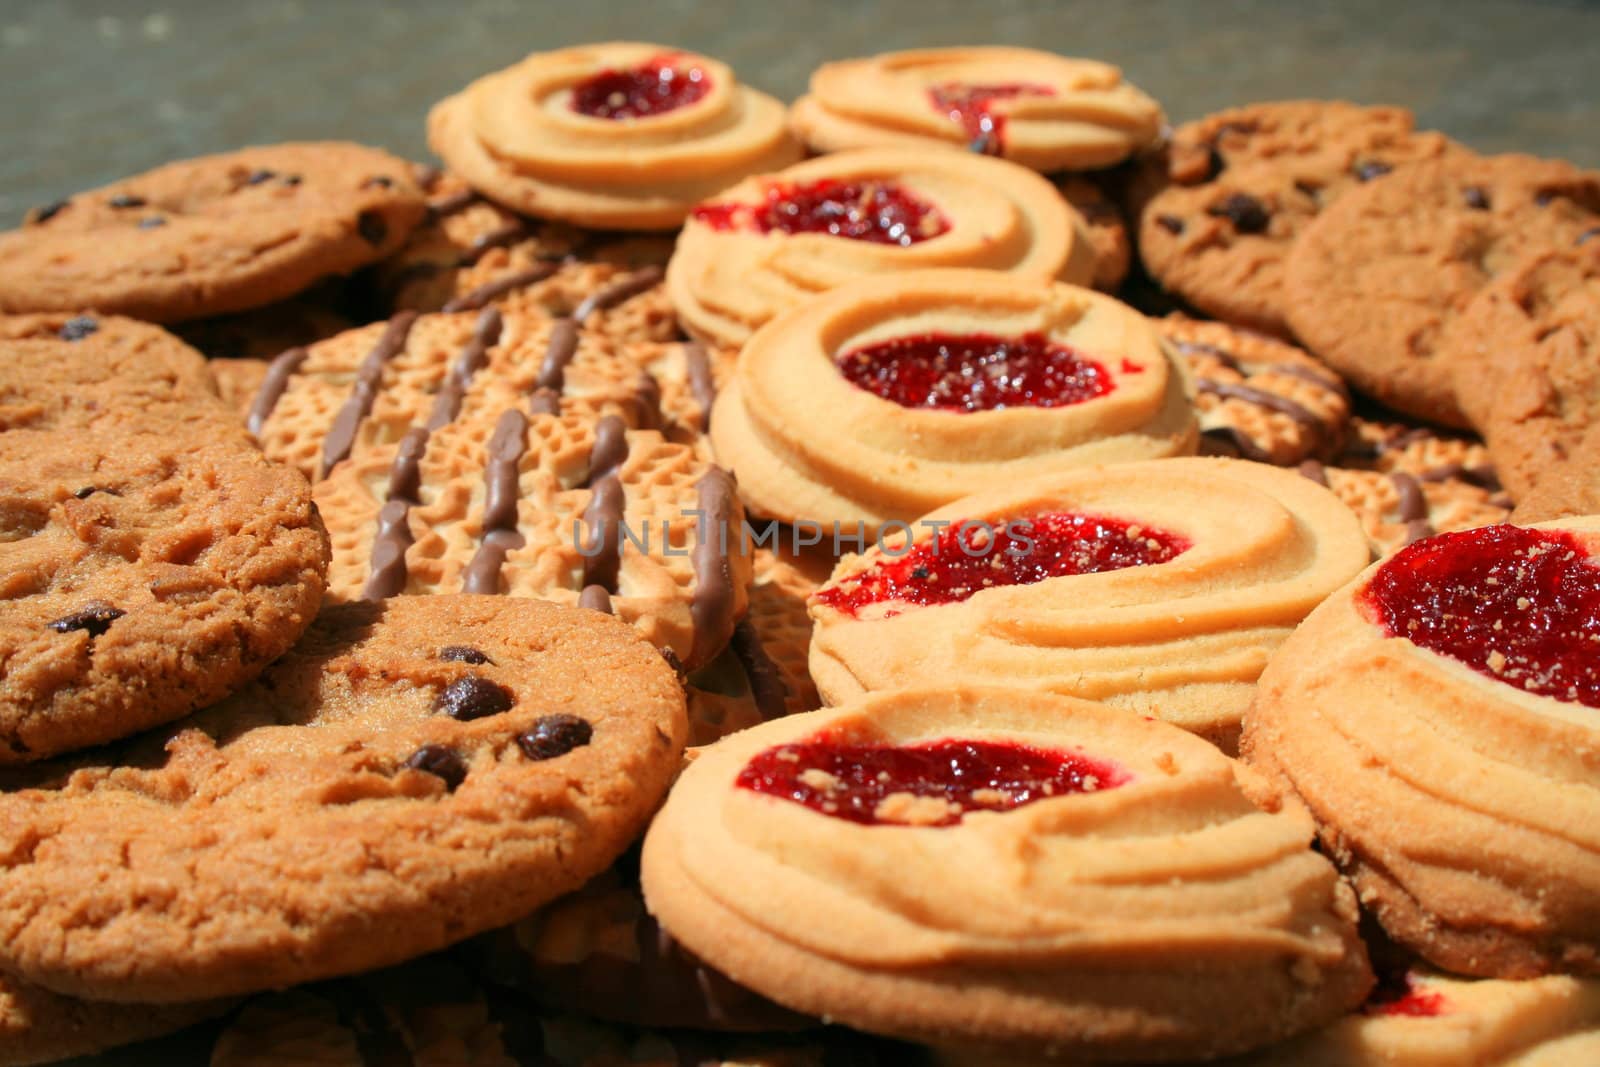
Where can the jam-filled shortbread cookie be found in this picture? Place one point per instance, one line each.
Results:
(1035, 108)
(884, 400)
(1161, 588)
(1235, 189)
(414, 772)
(1008, 870)
(1374, 283)
(1437, 716)
(769, 243)
(1107, 230)
(1257, 397)
(212, 235)
(620, 136)
(41, 1027)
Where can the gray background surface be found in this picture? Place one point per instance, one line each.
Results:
(96, 90)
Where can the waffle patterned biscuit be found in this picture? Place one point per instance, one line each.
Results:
(1161, 588)
(770, 243)
(620, 135)
(41, 1027)
(1463, 812)
(1107, 229)
(412, 773)
(884, 400)
(999, 869)
(1397, 507)
(212, 235)
(1258, 398)
(1035, 108)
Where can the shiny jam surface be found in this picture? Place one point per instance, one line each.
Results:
(975, 372)
(1521, 606)
(1399, 995)
(655, 88)
(874, 211)
(932, 783)
(969, 105)
(961, 560)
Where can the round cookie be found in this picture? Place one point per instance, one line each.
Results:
(239, 382)
(1107, 230)
(1257, 397)
(1219, 212)
(1570, 488)
(866, 833)
(1044, 111)
(1464, 810)
(414, 772)
(875, 403)
(1374, 282)
(212, 235)
(41, 1027)
(613, 136)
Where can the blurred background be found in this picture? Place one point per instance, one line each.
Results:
(96, 90)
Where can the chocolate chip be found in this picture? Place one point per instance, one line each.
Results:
(443, 763)
(1593, 231)
(1215, 164)
(1477, 197)
(382, 181)
(1543, 198)
(463, 654)
(50, 211)
(122, 200)
(90, 490)
(473, 697)
(1171, 223)
(1369, 169)
(150, 222)
(675, 663)
(78, 327)
(555, 735)
(370, 225)
(95, 617)
(258, 176)
(1244, 211)
(292, 179)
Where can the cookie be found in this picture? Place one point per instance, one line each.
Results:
(1107, 230)
(1373, 284)
(612, 136)
(1257, 397)
(262, 333)
(1219, 212)
(867, 833)
(1398, 507)
(212, 235)
(1464, 812)
(238, 382)
(878, 402)
(1160, 588)
(414, 772)
(1569, 488)
(1524, 355)
(41, 1027)
(770, 243)
(1041, 110)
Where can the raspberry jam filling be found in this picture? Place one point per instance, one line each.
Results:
(1521, 606)
(961, 560)
(640, 92)
(975, 372)
(878, 212)
(971, 106)
(934, 783)
(1399, 995)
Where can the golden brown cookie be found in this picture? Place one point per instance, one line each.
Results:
(618, 135)
(1011, 871)
(1437, 717)
(41, 1027)
(1160, 587)
(262, 333)
(212, 235)
(1039, 109)
(1373, 284)
(769, 243)
(1398, 507)
(239, 382)
(1569, 488)
(881, 401)
(1107, 229)
(412, 773)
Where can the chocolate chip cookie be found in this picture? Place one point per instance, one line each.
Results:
(212, 235)
(41, 1027)
(1107, 229)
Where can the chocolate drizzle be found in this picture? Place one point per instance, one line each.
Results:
(1302, 417)
(1315, 471)
(447, 405)
(272, 388)
(595, 598)
(702, 385)
(1484, 477)
(646, 402)
(342, 434)
(603, 519)
(711, 610)
(609, 297)
(1230, 440)
(500, 237)
(767, 687)
(501, 492)
(1413, 506)
(387, 576)
(609, 451)
(544, 402)
(451, 203)
(483, 294)
(560, 349)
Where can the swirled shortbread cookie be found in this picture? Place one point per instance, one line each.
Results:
(412, 773)
(212, 235)
(40, 1027)
(884, 400)
(867, 834)
(1464, 808)
(613, 136)
(769, 243)
(1107, 230)
(1041, 110)
(1161, 588)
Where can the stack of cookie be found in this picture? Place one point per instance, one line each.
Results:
(347, 676)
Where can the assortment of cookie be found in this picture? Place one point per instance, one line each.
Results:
(1025, 584)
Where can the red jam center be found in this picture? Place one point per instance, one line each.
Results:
(878, 212)
(652, 89)
(1399, 995)
(934, 783)
(1521, 606)
(975, 372)
(959, 561)
(970, 105)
